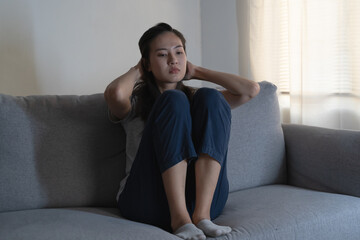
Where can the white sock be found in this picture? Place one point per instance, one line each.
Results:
(211, 229)
(190, 232)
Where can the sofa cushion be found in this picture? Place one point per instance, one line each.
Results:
(256, 150)
(82, 223)
(286, 212)
(58, 151)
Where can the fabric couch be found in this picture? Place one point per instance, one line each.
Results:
(61, 162)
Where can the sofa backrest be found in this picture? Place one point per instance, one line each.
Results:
(58, 151)
(62, 151)
(256, 154)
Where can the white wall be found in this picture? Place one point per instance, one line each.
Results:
(79, 46)
(219, 34)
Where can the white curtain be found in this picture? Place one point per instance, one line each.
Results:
(311, 50)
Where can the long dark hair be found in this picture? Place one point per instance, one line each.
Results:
(146, 90)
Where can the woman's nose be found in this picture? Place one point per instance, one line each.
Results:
(172, 59)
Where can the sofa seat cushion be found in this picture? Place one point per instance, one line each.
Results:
(286, 212)
(80, 223)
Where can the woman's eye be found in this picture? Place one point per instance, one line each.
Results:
(162, 55)
(179, 53)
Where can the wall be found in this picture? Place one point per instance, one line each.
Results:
(79, 46)
(219, 34)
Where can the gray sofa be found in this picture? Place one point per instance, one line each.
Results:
(61, 161)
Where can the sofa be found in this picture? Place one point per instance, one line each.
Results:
(61, 162)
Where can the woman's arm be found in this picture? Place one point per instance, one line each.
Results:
(118, 92)
(238, 90)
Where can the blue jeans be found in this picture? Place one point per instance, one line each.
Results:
(176, 130)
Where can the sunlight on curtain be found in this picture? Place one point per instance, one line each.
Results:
(311, 50)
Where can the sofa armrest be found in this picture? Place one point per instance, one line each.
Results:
(323, 159)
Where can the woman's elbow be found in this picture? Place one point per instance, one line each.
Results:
(254, 90)
(108, 94)
(112, 94)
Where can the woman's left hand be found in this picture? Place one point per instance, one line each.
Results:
(190, 71)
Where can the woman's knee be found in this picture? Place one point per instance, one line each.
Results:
(210, 98)
(175, 101)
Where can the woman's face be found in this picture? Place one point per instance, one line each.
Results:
(167, 60)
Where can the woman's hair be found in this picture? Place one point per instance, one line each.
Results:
(146, 90)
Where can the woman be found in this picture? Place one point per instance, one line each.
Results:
(177, 137)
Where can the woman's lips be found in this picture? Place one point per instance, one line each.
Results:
(174, 70)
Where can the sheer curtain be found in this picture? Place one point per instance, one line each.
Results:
(311, 50)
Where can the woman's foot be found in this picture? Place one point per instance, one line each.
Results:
(190, 232)
(211, 229)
